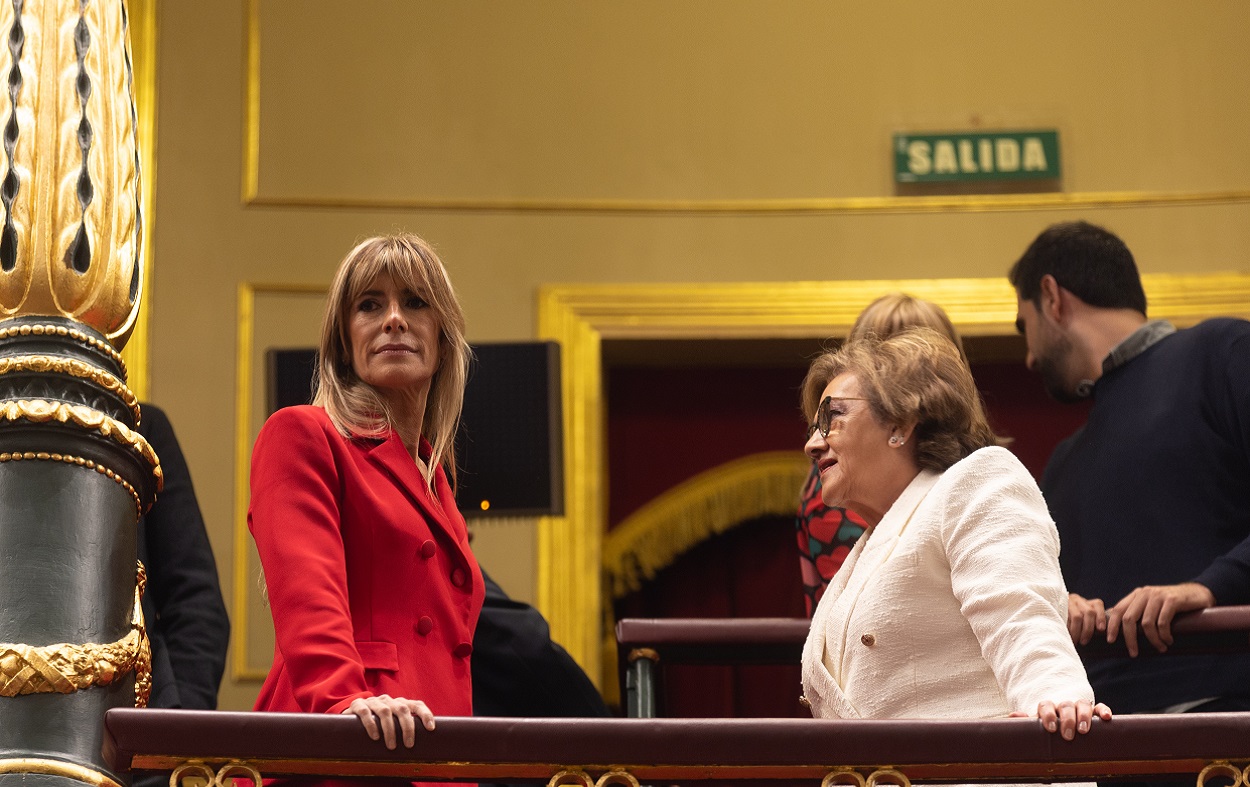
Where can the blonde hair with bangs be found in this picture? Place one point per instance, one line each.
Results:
(354, 406)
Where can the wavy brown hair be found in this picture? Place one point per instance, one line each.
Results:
(917, 376)
(353, 405)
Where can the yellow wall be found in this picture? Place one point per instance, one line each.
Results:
(656, 141)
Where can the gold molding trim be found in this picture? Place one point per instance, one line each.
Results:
(703, 506)
(251, 105)
(830, 205)
(240, 670)
(61, 330)
(987, 203)
(40, 411)
(66, 667)
(81, 462)
(581, 317)
(69, 770)
(73, 368)
(246, 305)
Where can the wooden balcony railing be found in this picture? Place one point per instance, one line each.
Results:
(645, 643)
(597, 752)
(600, 752)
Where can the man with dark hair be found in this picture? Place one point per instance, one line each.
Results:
(1152, 495)
(1093, 264)
(1068, 264)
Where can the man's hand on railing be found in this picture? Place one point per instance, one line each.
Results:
(1085, 616)
(1153, 607)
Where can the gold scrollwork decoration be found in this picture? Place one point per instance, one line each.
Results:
(618, 776)
(192, 768)
(846, 776)
(199, 769)
(1226, 769)
(72, 333)
(888, 776)
(68, 770)
(42, 411)
(571, 776)
(235, 769)
(143, 664)
(74, 368)
(64, 668)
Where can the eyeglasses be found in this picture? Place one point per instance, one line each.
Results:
(826, 419)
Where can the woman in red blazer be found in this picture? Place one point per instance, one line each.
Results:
(372, 587)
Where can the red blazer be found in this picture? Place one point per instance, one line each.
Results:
(372, 586)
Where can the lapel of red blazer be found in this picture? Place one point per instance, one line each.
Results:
(394, 458)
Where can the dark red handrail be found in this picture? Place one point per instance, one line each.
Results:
(657, 750)
(646, 643)
(780, 640)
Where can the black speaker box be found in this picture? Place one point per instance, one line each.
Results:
(510, 444)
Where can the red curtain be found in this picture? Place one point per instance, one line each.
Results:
(666, 425)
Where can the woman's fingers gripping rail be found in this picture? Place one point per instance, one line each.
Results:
(1070, 718)
(381, 715)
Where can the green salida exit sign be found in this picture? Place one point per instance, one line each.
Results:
(964, 156)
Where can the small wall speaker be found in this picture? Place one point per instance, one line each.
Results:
(510, 444)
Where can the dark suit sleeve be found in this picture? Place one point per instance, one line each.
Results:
(183, 589)
(519, 671)
(1228, 576)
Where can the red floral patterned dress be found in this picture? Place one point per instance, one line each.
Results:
(825, 536)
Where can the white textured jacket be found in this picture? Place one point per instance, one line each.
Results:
(951, 607)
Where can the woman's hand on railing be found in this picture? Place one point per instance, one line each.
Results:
(380, 716)
(1069, 718)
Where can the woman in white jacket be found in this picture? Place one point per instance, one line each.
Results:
(951, 604)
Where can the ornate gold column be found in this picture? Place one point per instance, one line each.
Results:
(74, 473)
